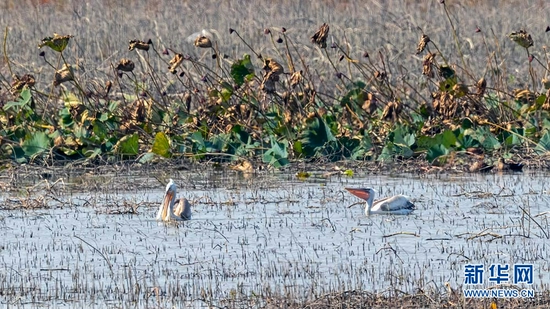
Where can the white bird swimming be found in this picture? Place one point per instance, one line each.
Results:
(394, 205)
(166, 210)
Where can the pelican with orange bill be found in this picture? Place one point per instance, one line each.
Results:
(394, 205)
(171, 209)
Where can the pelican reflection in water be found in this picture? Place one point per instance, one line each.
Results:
(171, 209)
(395, 205)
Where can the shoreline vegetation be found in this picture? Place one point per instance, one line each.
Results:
(294, 101)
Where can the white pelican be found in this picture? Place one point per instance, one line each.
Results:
(166, 210)
(395, 205)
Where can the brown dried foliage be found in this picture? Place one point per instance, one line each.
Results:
(18, 83)
(295, 79)
(271, 65)
(274, 70)
(392, 111)
(137, 44)
(525, 96)
(78, 112)
(480, 167)
(522, 38)
(546, 104)
(203, 42)
(268, 82)
(460, 90)
(371, 104)
(108, 86)
(320, 37)
(481, 85)
(65, 74)
(125, 65)
(175, 63)
(140, 112)
(424, 40)
(457, 103)
(427, 66)
(444, 104)
(187, 100)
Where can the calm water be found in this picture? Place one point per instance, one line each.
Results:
(269, 233)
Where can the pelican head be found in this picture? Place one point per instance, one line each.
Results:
(366, 194)
(172, 209)
(166, 207)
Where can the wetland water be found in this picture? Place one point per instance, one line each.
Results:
(267, 234)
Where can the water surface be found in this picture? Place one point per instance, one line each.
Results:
(262, 235)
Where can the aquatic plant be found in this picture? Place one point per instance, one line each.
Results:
(277, 105)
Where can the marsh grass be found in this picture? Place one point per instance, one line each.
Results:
(359, 93)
